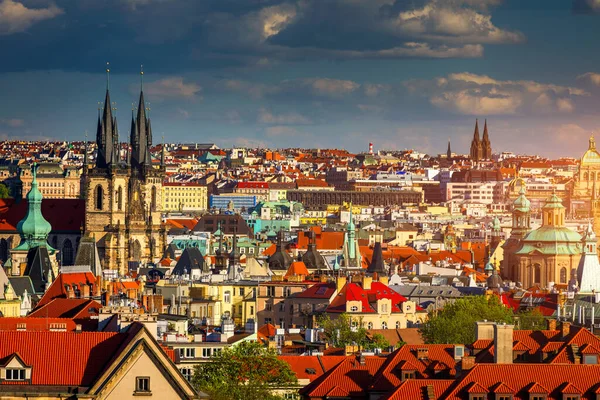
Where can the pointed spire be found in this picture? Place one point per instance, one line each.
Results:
(592, 143)
(449, 151)
(485, 131)
(476, 133)
(107, 75)
(377, 264)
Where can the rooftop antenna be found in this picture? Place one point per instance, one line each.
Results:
(107, 75)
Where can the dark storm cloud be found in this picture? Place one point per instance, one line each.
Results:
(179, 35)
(586, 6)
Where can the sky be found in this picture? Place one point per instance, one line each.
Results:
(308, 73)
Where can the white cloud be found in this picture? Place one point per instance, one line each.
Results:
(293, 118)
(332, 87)
(590, 77)
(472, 94)
(15, 17)
(172, 87)
(452, 22)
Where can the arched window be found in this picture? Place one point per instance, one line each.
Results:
(120, 198)
(370, 325)
(153, 203)
(137, 251)
(585, 176)
(67, 252)
(384, 325)
(99, 197)
(537, 273)
(563, 275)
(397, 324)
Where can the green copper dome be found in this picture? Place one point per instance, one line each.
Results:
(34, 228)
(521, 203)
(553, 202)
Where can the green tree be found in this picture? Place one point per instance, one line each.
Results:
(247, 371)
(4, 192)
(530, 320)
(346, 330)
(455, 323)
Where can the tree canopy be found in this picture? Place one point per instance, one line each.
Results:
(455, 323)
(247, 371)
(4, 191)
(347, 330)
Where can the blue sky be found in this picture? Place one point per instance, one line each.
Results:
(308, 73)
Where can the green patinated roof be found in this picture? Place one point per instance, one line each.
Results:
(34, 228)
(551, 240)
(553, 202)
(521, 203)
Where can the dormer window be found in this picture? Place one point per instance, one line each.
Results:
(15, 374)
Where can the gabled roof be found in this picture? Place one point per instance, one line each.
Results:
(389, 376)
(353, 291)
(418, 389)
(62, 358)
(66, 282)
(349, 377)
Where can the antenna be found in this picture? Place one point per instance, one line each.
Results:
(107, 75)
(142, 77)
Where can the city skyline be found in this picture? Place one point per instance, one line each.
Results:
(308, 74)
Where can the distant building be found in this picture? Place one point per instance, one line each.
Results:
(183, 196)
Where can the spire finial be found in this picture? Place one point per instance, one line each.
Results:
(107, 75)
(142, 77)
(592, 142)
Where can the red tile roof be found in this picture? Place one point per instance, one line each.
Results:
(348, 378)
(297, 268)
(62, 358)
(554, 379)
(67, 308)
(74, 280)
(353, 291)
(35, 324)
(417, 389)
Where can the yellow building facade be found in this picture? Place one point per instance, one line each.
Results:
(185, 197)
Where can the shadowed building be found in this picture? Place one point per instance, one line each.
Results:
(124, 196)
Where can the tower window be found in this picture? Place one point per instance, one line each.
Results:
(120, 198)
(99, 197)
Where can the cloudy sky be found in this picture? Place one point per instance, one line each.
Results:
(310, 73)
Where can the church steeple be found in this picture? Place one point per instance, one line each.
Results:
(106, 131)
(141, 136)
(476, 145)
(486, 145)
(449, 151)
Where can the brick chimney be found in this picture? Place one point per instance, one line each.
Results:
(422, 353)
(551, 324)
(467, 363)
(565, 329)
(70, 293)
(85, 291)
(366, 282)
(503, 343)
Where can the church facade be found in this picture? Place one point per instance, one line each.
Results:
(481, 149)
(123, 194)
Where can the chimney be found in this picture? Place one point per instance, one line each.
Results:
(430, 393)
(21, 327)
(565, 329)
(467, 363)
(70, 293)
(484, 330)
(107, 298)
(422, 353)
(85, 291)
(366, 282)
(340, 283)
(551, 324)
(503, 344)
(78, 328)
(362, 359)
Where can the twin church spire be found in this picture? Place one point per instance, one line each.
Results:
(107, 135)
(481, 149)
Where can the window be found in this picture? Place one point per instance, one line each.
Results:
(251, 310)
(241, 291)
(271, 291)
(538, 397)
(99, 197)
(206, 352)
(354, 309)
(397, 324)
(571, 397)
(287, 291)
(384, 325)
(477, 397)
(227, 297)
(190, 353)
(187, 373)
(504, 397)
(268, 307)
(142, 384)
(282, 306)
(408, 375)
(15, 374)
(370, 325)
(590, 359)
(384, 308)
